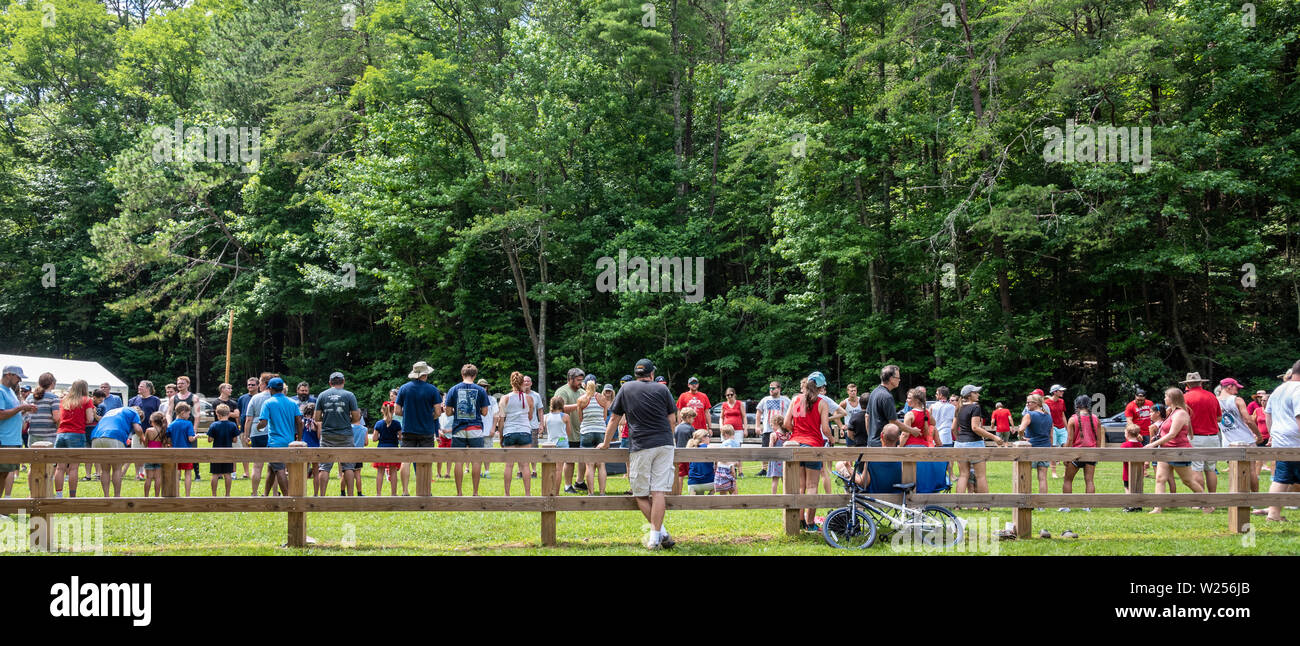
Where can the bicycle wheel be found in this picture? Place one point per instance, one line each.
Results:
(849, 531)
(941, 527)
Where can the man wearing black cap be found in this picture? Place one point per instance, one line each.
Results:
(651, 416)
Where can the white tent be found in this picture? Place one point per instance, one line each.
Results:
(65, 372)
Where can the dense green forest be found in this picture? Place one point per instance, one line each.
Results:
(867, 181)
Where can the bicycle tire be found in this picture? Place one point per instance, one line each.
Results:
(841, 531)
(953, 530)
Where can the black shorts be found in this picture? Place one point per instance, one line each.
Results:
(259, 441)
(425, 440)
(1078, 464)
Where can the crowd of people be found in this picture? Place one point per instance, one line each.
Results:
(642, 416)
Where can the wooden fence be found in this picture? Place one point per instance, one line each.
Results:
(1238, 500)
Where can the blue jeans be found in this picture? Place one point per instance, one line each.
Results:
(70, 441)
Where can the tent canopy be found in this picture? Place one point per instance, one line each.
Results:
(65, 372)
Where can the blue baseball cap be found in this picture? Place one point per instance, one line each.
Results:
(275, 383)
(818, 379)
(624, 379)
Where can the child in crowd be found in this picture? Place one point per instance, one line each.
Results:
(97, 396)
(724, 474)
(555, 426)
(1132, 440)
(776, 468)
(155, 437)
(222, 435)
(182, 435)
(387, 433)
(681, 438)
(699, 475)
(444, 441)
(311, 435)
(1158, 414)
(359, 436)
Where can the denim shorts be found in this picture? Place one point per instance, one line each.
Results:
(70, 441)
(1180, 464)
(467, 442)
(1042, 464)
(1286, 472)
(978, 444)
(517, 439)
(592, 440)
(812, 466)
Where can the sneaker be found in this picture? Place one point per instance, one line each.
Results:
(1063, 510)
(652, 540)
(1044, 534)
(58, 494)
(1088, 509)
(360, 493)
(570, 489)
(580, 486)
(485, 474)
(802, 525)
(813, 529)
(762, 473)
(1068, 534)
(666, 541)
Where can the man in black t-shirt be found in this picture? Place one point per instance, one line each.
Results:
(880, 409)
(651, 415)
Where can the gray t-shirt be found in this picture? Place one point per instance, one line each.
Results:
(646, 405)
(255, 412)
(880, 411)
(336, 406)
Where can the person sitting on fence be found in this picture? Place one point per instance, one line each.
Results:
(700, 476)
(181, 431)
(222, 434)
(725, 471)
(1132, 440)
(155, 437)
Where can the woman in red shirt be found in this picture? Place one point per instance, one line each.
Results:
(919, 419)
(733, 412)
(76, 412)
(809, 425)
(1175, 433)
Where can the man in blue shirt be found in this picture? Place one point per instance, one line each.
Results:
(283, 421)
(111, 433)
(419, 404)
(111, 401)
(469, 402)
(11, 421)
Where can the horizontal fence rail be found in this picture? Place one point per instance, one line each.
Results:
(1022, 501)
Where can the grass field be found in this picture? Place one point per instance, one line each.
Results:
(721, 533)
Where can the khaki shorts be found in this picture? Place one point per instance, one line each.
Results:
(651, 470)
(1205, 442)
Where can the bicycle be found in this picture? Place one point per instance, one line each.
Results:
(857, 525)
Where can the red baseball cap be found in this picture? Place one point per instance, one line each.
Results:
(1037, 391)
(1230, 382)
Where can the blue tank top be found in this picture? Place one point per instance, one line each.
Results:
(1039, 432)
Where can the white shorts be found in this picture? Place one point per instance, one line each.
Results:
(1205, 442)
(701, 489)
(651, 470)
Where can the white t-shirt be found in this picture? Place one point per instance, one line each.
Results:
(1284, 405)
(489, 421)
(769, 407)
(533, 423)
(943, 412)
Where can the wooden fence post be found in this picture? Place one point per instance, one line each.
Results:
(298, 489)
(1239, 481)
(40, 482)
(424, 478)
(550, 488)
(793, 484)
(1022, 482)
(170, 480)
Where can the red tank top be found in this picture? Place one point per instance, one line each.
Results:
(919, 420)
(807, 423)
(1179, 441)
(731, 415)
(1085, 438)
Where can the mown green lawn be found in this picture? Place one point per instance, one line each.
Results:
(723, 533)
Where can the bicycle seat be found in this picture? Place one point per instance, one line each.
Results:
(906, 486)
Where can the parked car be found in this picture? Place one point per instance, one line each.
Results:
(1114, 426)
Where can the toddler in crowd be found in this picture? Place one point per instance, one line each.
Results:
(699, 475)
(1132, 440)
(776, 468)
(724, 474)
(182, 435)
(155, 437)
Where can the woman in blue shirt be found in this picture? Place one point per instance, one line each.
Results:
(1036, 426)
